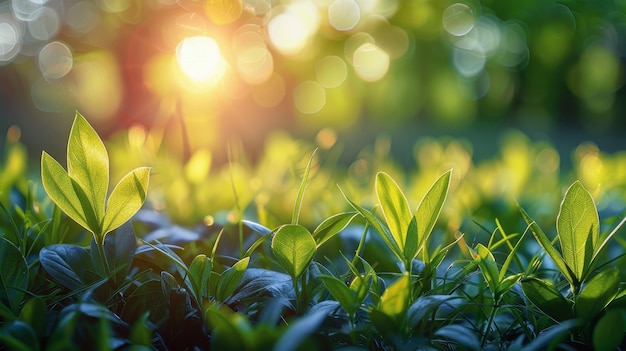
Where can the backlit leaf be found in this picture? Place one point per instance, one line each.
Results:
(126, 198)
(333, 225)
(294, 247)
(430, 207)
(88, 163)
(199, 272)
(395, 207)
(395, 300)
(58, 185)
(488, 267)
(230, 279)
(578, 228)
(346, 297)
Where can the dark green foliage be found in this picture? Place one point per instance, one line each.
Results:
(122, 284)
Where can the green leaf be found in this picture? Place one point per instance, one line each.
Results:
(395, 300)
(604, 245)
(13, 275)
(609, 331)
(294, 247)
(546, 244)
(411, 246)
(547, 298)
(333, 225)
(488, 267)
(199, 272)
(578, 228)
(230, 279)
(597, 294)
(429, 209)
(66, 264)
(61, 190)
(346, 297)
(126, 198)
(395, 207)
(88, 163)
(379, 227)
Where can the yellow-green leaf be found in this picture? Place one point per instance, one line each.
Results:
(395, 300)
(395, 207)
(88, 163)
(430, 207)
(61, 190)
(294, 247)
(578, 228)
(488, 267)
(126, 199)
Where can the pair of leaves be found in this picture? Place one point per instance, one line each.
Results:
(406, 233)
(81, 191)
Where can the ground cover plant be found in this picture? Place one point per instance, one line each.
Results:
(85, 267)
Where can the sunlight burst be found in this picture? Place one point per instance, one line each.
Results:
(200, 59)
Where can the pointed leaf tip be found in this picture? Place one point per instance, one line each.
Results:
(126, 198)
(88, 163)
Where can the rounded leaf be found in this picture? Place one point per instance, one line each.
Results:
(294, 247)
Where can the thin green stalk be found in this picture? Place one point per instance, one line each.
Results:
(359, 248)
(492, 316)
(103, 257)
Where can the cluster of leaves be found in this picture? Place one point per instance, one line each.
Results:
(98, 270)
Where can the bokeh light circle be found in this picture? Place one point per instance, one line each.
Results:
(55, 60)
(10, 38)
(309, 97)
(458, 19)
(45, 25)
(344, 15)
(331, 71)
(370, 62)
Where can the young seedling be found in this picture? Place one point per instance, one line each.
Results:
(81, 191)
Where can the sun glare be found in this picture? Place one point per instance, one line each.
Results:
(200, 59)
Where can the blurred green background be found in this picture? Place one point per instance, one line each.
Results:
(353, 68)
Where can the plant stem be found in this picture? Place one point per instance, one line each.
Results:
(103, 257)
(492, 316)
